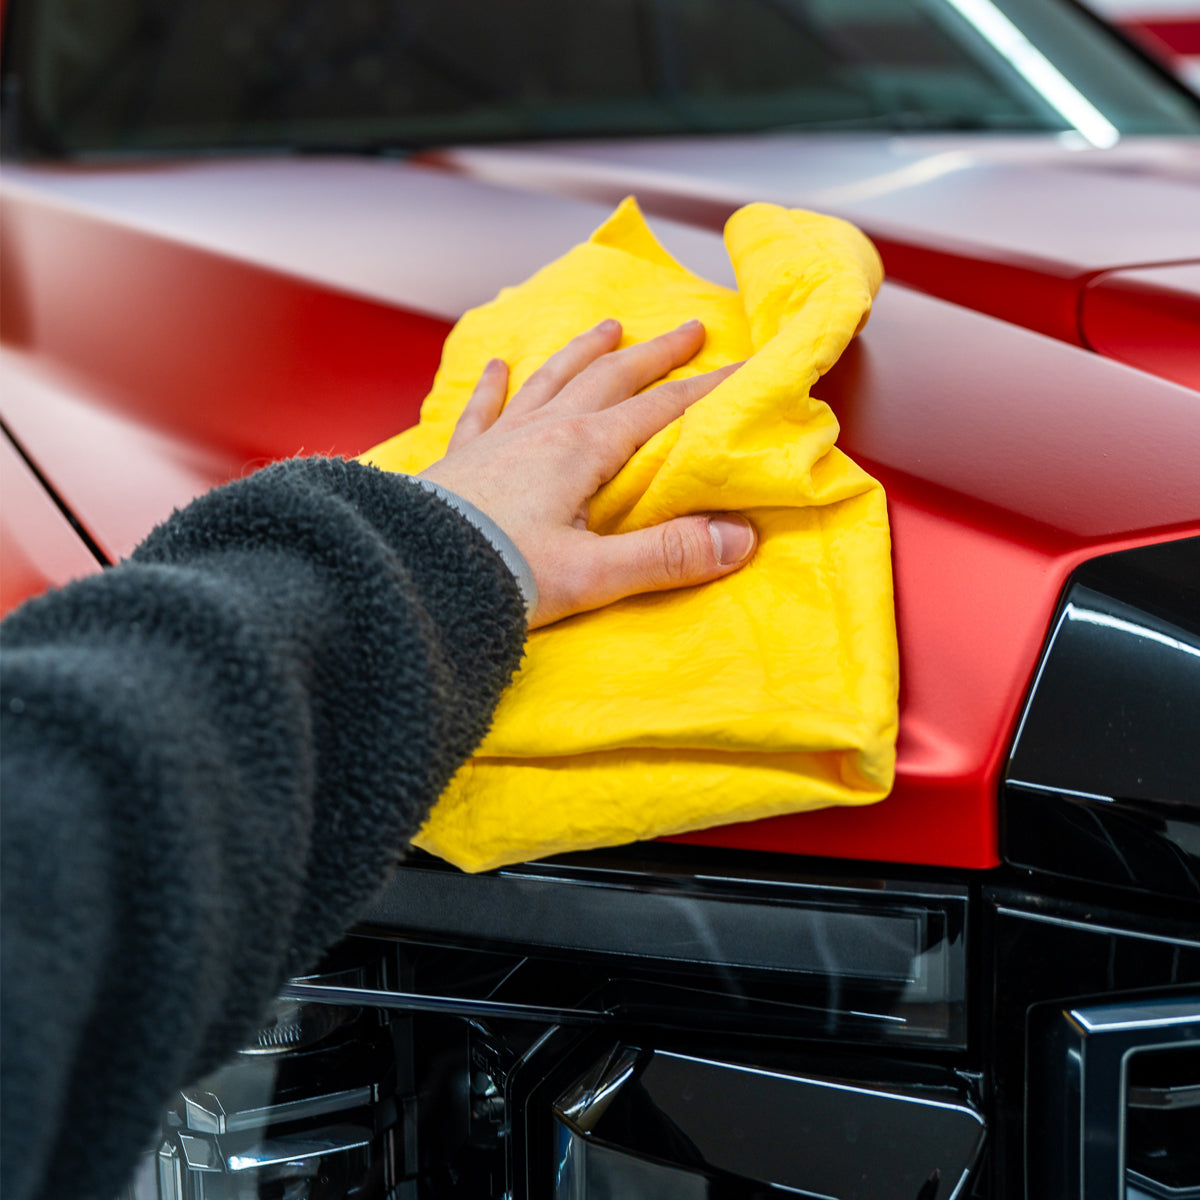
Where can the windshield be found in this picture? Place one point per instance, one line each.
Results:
(137, 76)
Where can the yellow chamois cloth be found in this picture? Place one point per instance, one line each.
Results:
(771, 691)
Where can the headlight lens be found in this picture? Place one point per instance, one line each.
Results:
(1103, 782)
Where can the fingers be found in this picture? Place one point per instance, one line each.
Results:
(588, 375)
(484, 406)
(679, 553)
(620, 375)
(630, 425)
(582, 421)
(565, 365)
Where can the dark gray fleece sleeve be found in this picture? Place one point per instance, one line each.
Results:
(212, 754)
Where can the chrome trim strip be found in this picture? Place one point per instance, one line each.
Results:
(315, 993)
(1067, 923)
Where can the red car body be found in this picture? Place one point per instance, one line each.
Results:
(1026, 389)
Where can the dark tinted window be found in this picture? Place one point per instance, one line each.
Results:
(145, 75)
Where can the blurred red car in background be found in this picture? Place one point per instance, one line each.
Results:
(1167, 29)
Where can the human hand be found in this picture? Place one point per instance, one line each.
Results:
(534, 466)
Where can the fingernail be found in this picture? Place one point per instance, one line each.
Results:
(732, 538)
(611, 325)
(494, 364)
(692, 324)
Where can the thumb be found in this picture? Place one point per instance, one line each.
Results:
(675, 554)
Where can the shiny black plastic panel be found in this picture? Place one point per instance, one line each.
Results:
(1142, 844)
(421, 1068)
(1104, 778)
(1115, 708)
(814, 935)
(649, 1123)
(850, 961)
(1080, 1061)
(1162, 1114)
(1047, 956)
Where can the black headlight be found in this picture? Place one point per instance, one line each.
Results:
(1104, 779)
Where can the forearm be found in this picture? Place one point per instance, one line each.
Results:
(241, 728)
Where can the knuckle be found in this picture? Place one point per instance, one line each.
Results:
(544, 378)
(685, 392)
(678, 553)
(564, 434)
(672, 397)
(627, 366)
(561, 366)
(580, 431)
(607, 374)
(567, 435)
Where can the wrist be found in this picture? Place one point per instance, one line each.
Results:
(512, 558)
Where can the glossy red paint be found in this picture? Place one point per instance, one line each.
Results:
(1148, 318)
(968, 639)
(219, 352)
(1014, 227)
(1004, 430)
(1008, 457)
(106, 467)
(1166, 37)
(167, 328)
(381, 230)
(41, 549)
(1035, 293)
(1038, 295)
(1181, 36)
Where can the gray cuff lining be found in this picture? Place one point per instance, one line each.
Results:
(514, 560)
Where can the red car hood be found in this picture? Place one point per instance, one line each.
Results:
(167, 327)
(1015, 227)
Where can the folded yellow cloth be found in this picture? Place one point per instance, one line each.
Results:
(773, 690)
